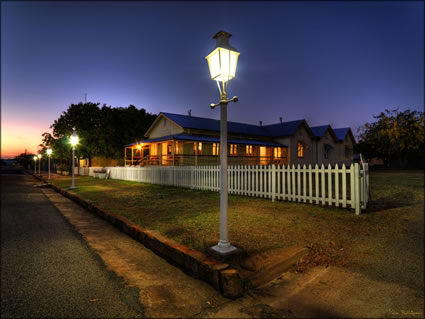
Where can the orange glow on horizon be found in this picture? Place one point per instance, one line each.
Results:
(16, 137)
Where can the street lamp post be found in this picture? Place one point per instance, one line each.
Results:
(49, 152)
(35, 165)
(39, 164)
(74, 142)
(222, 63)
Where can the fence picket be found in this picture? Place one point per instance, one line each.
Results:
(300, 184)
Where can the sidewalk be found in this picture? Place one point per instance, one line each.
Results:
(165, 291)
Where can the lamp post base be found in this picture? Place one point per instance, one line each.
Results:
(72, 187)
(225, 253)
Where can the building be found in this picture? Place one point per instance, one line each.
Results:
(175, 139)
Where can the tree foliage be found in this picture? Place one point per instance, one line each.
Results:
(394, 135)
(102, 131)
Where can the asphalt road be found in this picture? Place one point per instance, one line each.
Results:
(47, 270)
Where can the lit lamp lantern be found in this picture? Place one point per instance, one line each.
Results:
(35, 164)
(49, 153)
(222, 63)
(74, 141)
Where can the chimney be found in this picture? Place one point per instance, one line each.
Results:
(281, 119)
(189, 112)
(261, 123)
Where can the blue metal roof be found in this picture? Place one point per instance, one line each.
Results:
(318, 131)
(341, 133)
(202, 123)
(283, 129)
(211, 139)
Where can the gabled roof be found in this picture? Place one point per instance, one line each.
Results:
(201, 123)
(341, 133)
(286, 128)
(318, 131)
(210, 139)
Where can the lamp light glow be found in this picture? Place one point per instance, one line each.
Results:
(39, 155)
(49, 151)
(35, 158)
(223, 59)
(74, 139)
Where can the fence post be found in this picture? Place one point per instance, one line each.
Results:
(273, 182)
(356, 189)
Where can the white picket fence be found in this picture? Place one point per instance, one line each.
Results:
(346, 187)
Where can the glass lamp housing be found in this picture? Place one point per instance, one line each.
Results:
(222, 61)
(49, 151)
(74, 138)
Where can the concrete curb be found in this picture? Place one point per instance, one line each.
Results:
(221, 276)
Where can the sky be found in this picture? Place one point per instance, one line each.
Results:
(336, 63)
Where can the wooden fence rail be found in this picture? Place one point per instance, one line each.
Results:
(338, 186)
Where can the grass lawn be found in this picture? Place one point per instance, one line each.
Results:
(336, 236)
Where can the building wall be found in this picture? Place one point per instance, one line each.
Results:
(103, 162)
(165, 127)
(344, 158)
(301, 135)
(319, 150)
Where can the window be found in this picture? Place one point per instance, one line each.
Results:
(164, 122)
(249, 150)
(169, 149)
(327, 149)
(233, 149)
(197, 148)
(300, 149)
(216, 149)
(176, 148)
(277, 152)
(347, 152)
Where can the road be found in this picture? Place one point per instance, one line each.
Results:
(47, 270)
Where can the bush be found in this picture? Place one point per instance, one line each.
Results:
(63, 167)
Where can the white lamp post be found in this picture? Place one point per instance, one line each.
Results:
(35, 165)
(49, 152)
(222, 63)
(74, 142)
(39, 164)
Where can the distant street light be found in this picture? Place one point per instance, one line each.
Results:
(39, 164)
(222, 63)
(49, 152)
(35, 165)
(74, 142)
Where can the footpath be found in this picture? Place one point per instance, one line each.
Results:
(166, 291)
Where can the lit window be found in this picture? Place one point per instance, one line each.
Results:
(197, 148)
(277, 152)
(216, 149)
(300, 149)
(249, 150)
(176, 147)
(233, 149)
(169, 149)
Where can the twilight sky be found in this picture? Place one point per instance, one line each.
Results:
(334, 63)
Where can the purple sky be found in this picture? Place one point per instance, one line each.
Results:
(334, 63)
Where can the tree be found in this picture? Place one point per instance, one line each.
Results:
(102, 131)
(394, 135)
(25, 159)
